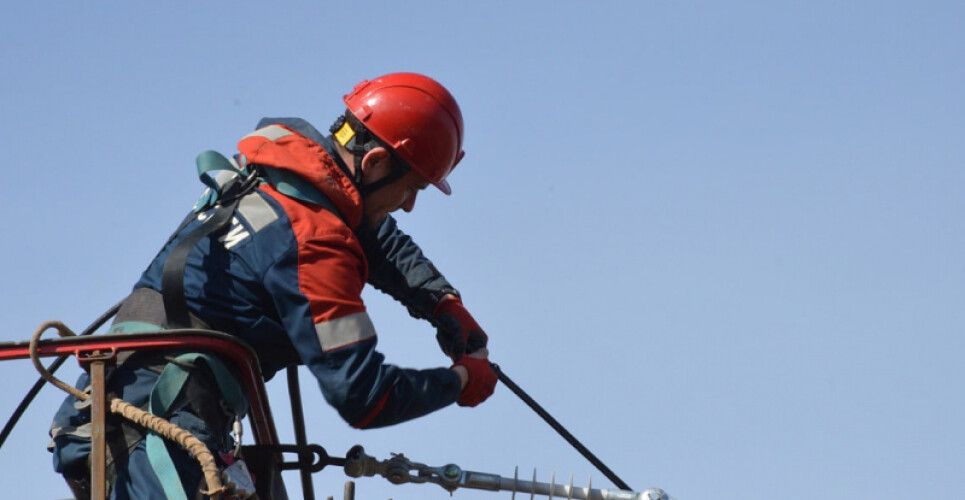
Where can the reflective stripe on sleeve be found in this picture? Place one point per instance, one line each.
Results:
(271, 132)
(344, 331)
(82, 431)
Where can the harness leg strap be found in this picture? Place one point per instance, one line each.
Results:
(163, 395)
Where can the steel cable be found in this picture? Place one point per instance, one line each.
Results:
(559, 428)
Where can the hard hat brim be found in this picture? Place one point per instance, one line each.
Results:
(443, 186)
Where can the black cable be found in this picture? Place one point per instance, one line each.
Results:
(560, 429)
(32, 393)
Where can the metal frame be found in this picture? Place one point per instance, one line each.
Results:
(92, 349)
(95, 353)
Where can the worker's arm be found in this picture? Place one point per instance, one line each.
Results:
(334, 337)
(398, 267)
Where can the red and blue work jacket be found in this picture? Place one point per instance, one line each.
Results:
(287, 277)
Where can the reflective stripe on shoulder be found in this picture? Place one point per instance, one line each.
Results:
(271, 132)
(256, 211)
(344, 331)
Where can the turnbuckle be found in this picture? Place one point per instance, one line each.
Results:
(399, 470)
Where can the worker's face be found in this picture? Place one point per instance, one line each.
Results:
(387, 199)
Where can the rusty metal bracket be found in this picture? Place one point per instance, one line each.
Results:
(97, 362)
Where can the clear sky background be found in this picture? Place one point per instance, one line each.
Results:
(720, 241)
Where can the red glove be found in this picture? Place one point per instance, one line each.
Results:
(481, 383)
(457, 331)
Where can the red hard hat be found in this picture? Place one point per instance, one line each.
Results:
(415, 116)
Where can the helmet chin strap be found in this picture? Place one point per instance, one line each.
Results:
(396, 174)
(357, 139)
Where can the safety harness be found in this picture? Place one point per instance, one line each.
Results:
(228, 181)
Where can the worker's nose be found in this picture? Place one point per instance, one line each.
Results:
(410, 203)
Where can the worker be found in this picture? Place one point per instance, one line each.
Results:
(304, 225)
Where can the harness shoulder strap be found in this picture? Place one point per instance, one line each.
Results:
(229, 195)
(293, 186)
(227, 184)
(172, 275)
(163, 395)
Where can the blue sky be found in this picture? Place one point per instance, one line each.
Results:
(721, 242)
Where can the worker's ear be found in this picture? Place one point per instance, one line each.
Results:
(376, 164)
